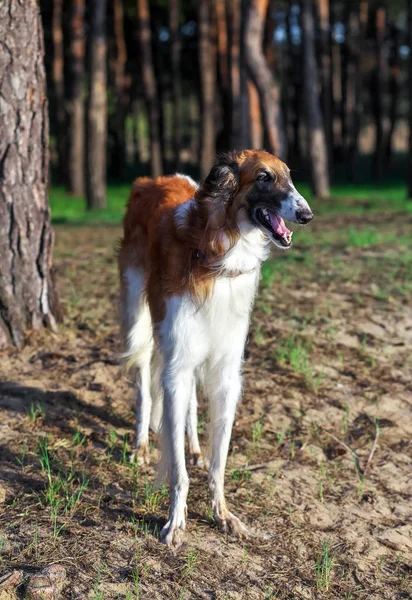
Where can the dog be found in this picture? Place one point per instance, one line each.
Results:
(189, 265)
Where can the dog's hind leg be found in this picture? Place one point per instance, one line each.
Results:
(137, 331)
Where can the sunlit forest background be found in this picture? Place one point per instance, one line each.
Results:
(151, 87)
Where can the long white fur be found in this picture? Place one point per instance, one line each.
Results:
(211, 340)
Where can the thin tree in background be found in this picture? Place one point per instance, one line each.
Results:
(175, 46)
(409, 7)
(58, 85)
(207, 78)
(97, 108)
(394, 89)
(266, 84)
(353, 151)
(149, 86)
(326, 74)
(121, 90)
(379, 91)
(75, 104)
(256, 129)
(317, 150)
(237, 76)
(27, 294)
(223, 80)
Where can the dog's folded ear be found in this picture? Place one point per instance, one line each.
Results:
(223, 179)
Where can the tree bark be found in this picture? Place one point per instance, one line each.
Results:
(149, 85)
(237, 75)
(394, 90)
(379, 91)
(318, 155)
(409, 7)
(176, 48)
(358, 108)
(97, 108)
(58, 84)
(75, 107)
(121, 90)
(256, 130)
(223, 141)
(265, 82)
(27, 296)
(326, 75)
(207, 79)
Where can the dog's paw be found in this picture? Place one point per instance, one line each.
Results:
(173, 535)
(140, 455)
(232, 525)
(196, 459)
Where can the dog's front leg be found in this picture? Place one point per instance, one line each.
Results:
(177, 384)
(224, 388)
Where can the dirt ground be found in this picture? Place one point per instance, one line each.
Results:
(320, 462)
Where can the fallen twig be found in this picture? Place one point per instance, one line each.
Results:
(374, 445)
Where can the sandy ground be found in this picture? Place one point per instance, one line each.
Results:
(327, 380)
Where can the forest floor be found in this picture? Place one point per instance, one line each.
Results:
(320, 462)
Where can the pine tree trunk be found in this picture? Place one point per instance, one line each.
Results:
(58, 84)
(27, 295)
(121, 90)
(265, 82)
(379, 92)
(409, 7)
(207, 79)
(149, 86)
(223, 141)
(256, 130)
(326, 75)
(318, 155)
(97, 108)
(75, 105)
(358, 108)
(394, 90)
(175, 47)
(237, 76)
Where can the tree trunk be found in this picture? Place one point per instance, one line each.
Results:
(58, 84)
(394, 90)
(318, 155)
(409, 3)
(223, 138)
(75, 108)
(358, 108)
(27, 296)
(256, 131)
(207, 79)
(237, 76)
(175, 47)
(149, 86)
(97, 108)
(379, 92)
(266, 84)
(121, 90)
(326, 75)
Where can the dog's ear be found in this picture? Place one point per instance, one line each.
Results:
(223, 179)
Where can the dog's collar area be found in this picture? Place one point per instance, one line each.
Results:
(221, 272)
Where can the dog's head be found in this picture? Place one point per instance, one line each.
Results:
(257, 186)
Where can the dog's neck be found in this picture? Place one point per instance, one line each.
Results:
(220, 244)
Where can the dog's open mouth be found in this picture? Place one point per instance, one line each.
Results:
(275, 225)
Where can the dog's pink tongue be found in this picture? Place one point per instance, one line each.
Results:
(278, 225)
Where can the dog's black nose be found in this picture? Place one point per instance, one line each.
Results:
(304, 216)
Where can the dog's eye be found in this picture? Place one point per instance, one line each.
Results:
(264, 176)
